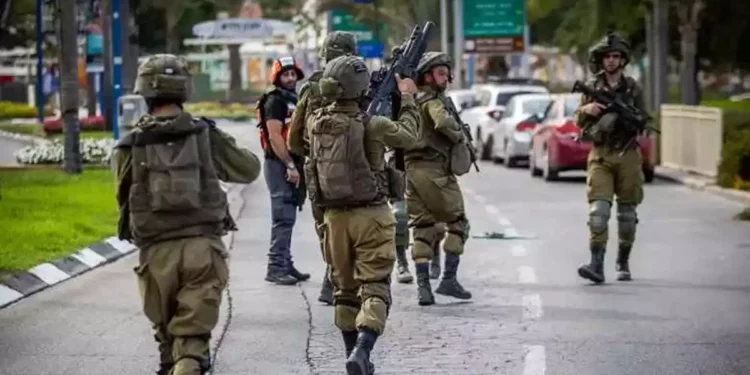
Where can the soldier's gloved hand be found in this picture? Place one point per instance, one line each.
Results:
(406, 85)
(593, 109)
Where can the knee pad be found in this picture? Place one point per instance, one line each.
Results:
(425, 238)
(599, 216)
(457, 235)
(345, 313)
(627, 218)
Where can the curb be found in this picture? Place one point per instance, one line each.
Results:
(702, 185)
(20, 137)
(47, 274)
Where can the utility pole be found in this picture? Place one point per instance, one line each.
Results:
(116, 65)
(458, 43)
(39, 62)
(105, 12)
(69, 87)
(649, 78)
(444, 25)
(661, 31)
(129, 55)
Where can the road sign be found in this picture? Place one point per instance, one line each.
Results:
(367, 39)
(494, 26)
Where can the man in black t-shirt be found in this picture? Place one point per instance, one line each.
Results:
(281, 168)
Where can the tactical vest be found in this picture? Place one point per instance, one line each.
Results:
(433, 145)
(290, 100)
(175, 191)
(342, 174)
(620, 133)
(314, 99)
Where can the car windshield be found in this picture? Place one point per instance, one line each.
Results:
(571, 104)
(504, 97)
(534, 106)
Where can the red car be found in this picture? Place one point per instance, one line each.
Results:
(554, 148)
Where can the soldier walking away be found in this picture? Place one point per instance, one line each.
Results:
(615, 161)
(174, 210)
(281, 169)
(353, 184)
(432, 192)
(337, 43)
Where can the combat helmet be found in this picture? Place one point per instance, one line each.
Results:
(345, 77)
(432, 59)
(338, 43)
(163, 76)
(610, 43)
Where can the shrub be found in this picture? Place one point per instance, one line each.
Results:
(55, 125)
(11, 110)
(93, 151)
(735, 152)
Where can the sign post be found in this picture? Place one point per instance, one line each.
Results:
(494, 26)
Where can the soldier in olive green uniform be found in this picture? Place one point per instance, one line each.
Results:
(336, 44)
(433, 195)
(173, 208)
(353, 183)
(614, 163)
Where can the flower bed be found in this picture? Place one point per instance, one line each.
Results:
(55, 125)
(93, 151)
(216, 110)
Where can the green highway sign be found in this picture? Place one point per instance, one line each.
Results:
(341, 21)
(494, 25)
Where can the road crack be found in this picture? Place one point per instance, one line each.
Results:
(308, 307)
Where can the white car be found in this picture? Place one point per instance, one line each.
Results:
(512, 138)
(462, 99)
(489, 106)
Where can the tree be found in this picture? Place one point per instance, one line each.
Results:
(690, 13)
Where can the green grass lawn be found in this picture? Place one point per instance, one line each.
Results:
(46, 214)
(36, 130)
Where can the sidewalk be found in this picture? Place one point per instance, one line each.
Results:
(698, 182)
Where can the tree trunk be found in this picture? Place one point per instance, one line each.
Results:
(69, 88)
(689, 27)
(106, 82)
(234, 92)
(173, 14)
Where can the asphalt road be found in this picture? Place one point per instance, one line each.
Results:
(8, 148)
(686, 312)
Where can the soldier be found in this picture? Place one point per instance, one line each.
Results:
(352, 184)
(281, 169)
(612, 169)
(173, 208)
(336, 44)
(432, 192)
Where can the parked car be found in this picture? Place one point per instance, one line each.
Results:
(489, 105)
(555, 148)
(513, 135)
(462, 99)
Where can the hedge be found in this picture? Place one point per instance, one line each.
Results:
(734, 168)
(13, 110)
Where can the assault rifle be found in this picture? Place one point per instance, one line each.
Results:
(383, 82)
(632, 116)
(448, 102)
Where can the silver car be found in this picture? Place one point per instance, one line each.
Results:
(513, 134)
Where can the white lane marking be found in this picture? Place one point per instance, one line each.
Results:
(480, 199)
(504, 221)
(49, 273)
(510, 232)
(532, 307)
(535, 360)
(526, 275)
(492, 210)
(518, 251)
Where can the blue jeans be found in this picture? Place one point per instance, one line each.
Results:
(283, 215)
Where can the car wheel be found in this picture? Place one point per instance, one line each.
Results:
(535, 172)
(648, 175)
(487, 149)
(549, 172)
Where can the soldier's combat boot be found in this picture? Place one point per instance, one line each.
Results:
(404, 276)
(326, 291)
(350, 340)
(435, 264)
(449, 285)
(294, 272)
(424, 290)
(358, 362)
(623, 268)
(594, 271)
(279, 277)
